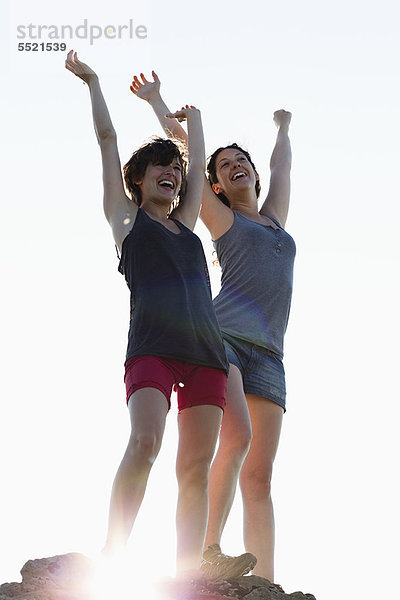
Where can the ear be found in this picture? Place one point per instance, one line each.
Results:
(138, 183)
(217, 189)
(257, 175)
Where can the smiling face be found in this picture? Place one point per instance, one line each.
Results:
(231, 172)
(161, 183)
(156, 170)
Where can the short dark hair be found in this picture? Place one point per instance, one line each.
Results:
(212, 171)
(158, 151)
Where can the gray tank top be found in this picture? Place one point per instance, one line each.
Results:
(257, 279)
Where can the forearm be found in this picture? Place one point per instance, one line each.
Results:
(188, 211)
(195, 141)
(170, 126)
(101, 117)
(281, 158)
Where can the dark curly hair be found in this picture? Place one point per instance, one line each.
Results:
(158, 152)
(212, 172)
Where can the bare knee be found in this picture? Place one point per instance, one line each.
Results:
(194, 473)
(255, 483)
(236, 444)
(144, 447)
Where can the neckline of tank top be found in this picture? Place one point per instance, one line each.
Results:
(277, 228)
(178, 223)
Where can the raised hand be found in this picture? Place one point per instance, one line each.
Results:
(182, 115)
(282, 118)
(79, 68)
(145, 89)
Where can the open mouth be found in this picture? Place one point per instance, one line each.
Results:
(166, 183)
(238, 175)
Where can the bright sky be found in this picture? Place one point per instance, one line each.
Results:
(64, 313)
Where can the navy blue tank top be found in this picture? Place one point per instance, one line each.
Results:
(172, 314)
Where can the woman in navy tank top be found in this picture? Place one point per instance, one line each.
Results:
(174, 340)
(256, 255)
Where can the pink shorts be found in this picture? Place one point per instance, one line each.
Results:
(195, 385)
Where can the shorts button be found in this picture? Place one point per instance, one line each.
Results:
(278, 250)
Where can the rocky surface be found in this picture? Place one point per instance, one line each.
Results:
(65, 577)
(69, 577)
(249, 587)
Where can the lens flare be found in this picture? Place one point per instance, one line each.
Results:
(116, 577)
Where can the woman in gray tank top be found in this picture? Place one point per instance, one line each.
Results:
(256, 256)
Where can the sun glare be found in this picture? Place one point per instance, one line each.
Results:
(115, 577)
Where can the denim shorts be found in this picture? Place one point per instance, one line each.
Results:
(262, 370)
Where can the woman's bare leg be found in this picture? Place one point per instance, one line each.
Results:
(234, 442)
(198, 433)
(255, 483)
(148, 409)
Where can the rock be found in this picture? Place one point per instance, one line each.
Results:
(250, 587)
(10, 590)
(68, 577)
(67, 571)
(64, 577)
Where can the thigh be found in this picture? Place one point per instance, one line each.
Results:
(198, 433)
(148, 409)
(236, 421)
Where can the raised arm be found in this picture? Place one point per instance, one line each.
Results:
(188, 210)
(277, 202)
(216, 216)
(119, 210)
(150, 91)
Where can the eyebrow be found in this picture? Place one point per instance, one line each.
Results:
(226, 158)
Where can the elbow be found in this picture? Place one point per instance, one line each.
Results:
(281, 168)
(106, 135)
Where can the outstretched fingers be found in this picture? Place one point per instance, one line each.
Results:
(143, 88)
(135, 85)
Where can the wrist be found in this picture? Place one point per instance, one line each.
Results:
(283, 129)
(155, 99)
(193, 116)
(91, 80)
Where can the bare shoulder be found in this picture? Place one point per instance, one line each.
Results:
(122, 220)
(216, 216)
